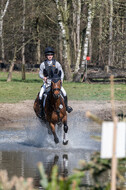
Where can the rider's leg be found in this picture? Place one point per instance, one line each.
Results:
(41, 113)
(68, 108)
(42, 91)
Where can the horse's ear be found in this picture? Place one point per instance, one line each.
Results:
(59, 73)
(45, 73)
(51, 73)
(56, 71)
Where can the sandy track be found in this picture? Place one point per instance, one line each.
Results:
(10, 112)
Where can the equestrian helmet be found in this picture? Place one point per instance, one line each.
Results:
(49, 51)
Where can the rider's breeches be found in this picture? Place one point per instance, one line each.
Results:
(63, 91)
(44, 88)
(42, 91)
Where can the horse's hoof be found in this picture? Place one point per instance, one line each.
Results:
(59, 124)
(49, 132)
(65, 142)
(56, 140)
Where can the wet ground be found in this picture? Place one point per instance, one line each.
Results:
(25, 142)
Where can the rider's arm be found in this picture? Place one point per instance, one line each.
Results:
(59, 67)
(42, 67)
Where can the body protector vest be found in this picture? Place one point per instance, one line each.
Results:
(48, 68)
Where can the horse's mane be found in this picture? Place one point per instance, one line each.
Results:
(56, 78)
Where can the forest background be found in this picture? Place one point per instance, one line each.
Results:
(74, 28)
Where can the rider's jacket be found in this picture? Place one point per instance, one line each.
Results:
(47, 66)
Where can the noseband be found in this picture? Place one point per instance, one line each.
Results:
(58, 89)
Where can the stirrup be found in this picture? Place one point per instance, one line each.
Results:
(43, 118)
(41, 115)
(69, 109)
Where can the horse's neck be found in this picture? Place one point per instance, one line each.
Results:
(55, 102)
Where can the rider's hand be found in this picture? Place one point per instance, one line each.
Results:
(45, 79)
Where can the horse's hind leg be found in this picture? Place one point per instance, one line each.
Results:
(54, 133)
(65, 141)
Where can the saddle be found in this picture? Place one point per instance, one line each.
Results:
(41, 105)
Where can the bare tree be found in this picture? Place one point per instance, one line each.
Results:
(23, 42)
(2, 14)
(88, 34)
(63, 16)
(38, 43)
(12, 65)
(110, 61)
(78, 43)
(70, 29)
(100, 32)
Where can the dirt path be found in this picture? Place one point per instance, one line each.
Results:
(22, 110)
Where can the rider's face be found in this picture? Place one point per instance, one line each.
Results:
(49, 57)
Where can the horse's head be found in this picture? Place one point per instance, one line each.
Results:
(56, 84)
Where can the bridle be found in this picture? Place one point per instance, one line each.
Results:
(56, 95)
(58, 89)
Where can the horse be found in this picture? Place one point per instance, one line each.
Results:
(55, 109)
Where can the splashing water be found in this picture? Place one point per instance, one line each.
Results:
(79, 134)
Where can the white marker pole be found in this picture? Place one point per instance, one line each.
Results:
(114, 159)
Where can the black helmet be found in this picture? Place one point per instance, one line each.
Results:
(49, 51)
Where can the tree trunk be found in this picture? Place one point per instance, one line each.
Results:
(123, 29)
(60, 48)
(78, 24)
(63, 22)
(38, 52)
(110, 61)
(77, 67)
(90, 47)
(78, 36)
(2, 40)
(12, 66)
(74, 36)
(100, 35)
(23, 47)
(88, 32)
(38, 44)
(2, 14)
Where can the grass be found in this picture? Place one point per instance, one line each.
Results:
(18, 90)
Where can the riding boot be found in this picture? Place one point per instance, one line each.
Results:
(68, 108)
(41, 112)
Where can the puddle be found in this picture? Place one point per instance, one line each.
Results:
(22, 147)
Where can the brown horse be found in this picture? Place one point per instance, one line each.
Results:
(55, 110)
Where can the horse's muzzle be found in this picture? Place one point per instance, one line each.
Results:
(56, 96)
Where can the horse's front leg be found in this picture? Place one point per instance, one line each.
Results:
(65, 140)
(54, 133)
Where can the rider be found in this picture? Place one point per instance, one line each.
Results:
(48, 65)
